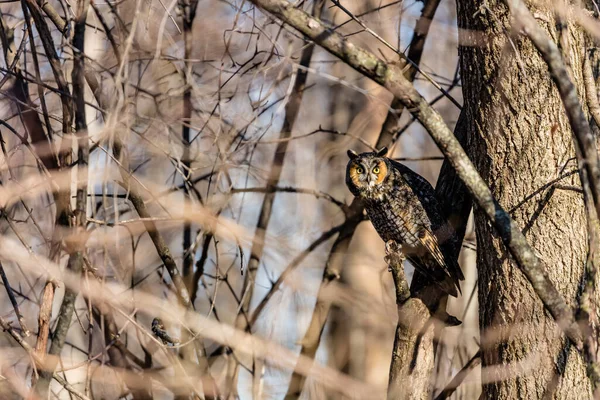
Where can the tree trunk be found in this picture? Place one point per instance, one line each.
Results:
(520, 139)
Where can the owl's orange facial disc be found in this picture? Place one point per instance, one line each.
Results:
(381, 173)
(355, 171)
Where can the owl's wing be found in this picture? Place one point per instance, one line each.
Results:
(430, 242)
(433, 265)
(437, 275)
(426, 194)
(420, 186)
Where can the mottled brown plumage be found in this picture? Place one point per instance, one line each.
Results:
(402, 206)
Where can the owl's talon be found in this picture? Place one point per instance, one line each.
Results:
(393, 253)
(392, 247)
(388, 247)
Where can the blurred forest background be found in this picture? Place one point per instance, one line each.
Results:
(164, 155)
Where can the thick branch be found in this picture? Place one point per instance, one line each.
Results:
(44, 317)
(412, 360)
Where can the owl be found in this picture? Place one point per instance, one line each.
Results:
(403, 208)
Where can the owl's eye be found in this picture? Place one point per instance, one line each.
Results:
(359, 170)
(376, 170)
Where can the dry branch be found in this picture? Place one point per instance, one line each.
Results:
(412, 354)
(38, 362)
(49, 48)
(389, 130)
(332, 272)
(172, 312)
(291, 267)
(459, 377)
(44, 316)
(591, 92)
(45, 151)
(288, 189)
(292, 109)
(189, 13)
(77, 247)
(13, 301)
(157, 238)
(138, 202)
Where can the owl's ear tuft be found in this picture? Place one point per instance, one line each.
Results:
(382, 152)
(352, 154)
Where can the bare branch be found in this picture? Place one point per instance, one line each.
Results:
(412, 356)
(21, 341)
(13, 301)
(460, 377)
(289, 189)
(77, 251)
(332, 272)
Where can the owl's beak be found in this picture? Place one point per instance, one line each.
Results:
(370, 181)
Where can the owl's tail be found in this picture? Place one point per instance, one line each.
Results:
(442, 277)
(449, 285)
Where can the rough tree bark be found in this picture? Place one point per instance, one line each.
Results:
(519, 139)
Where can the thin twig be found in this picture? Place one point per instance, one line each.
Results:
(414, 63)
(460, 377)
(288, 189)
(292, 109)
(13, 301)
(290, 268)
